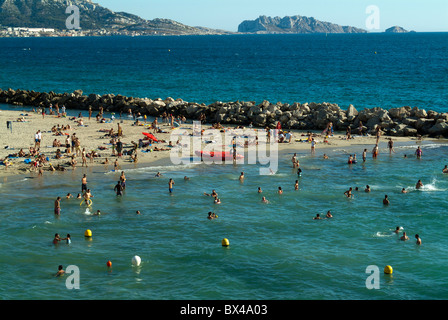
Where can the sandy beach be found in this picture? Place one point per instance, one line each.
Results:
(93, 135)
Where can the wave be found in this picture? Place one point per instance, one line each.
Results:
(155, 169)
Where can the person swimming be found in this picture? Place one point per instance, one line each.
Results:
(348, 193)
(404, 237)
(67, 239)
(56, 239)
(60, 272)
(419, 184)
(264, 200)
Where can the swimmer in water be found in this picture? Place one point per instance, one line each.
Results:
(317, 217)
(348, 193)
(419, 184)
(60, 272)
(404, 190)
(329, 215)
(367, 189)
(386, 200)
(217, 201)
(280, 191)
(242, 176)
(264, 200)
(56, 239)
(158, 174)
(445, 170)
(87, 196)
(397, 230)
(211, 215)
(214, 194)
(68, 196)
(67, 239)
(296, 185)
(259, 190)
(419, 241)
(118, 188)
(404, 237)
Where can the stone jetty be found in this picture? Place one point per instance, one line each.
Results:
(400, 121)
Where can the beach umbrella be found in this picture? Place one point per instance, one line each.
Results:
(150, 136)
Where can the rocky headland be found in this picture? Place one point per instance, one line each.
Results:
(400, 121)
(293, 24)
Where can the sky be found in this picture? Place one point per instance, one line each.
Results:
(418, 15)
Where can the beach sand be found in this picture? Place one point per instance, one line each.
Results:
(20, 135)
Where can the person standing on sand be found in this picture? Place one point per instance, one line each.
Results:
(119, 131)
(119, 148)
(313, 146)
(378, 134)
(84, 157)
(78, 146)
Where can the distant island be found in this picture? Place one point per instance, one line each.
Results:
(293, 24)
(396, 29)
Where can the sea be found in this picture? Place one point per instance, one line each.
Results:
(276, 251)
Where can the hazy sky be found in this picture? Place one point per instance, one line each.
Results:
(418, 15)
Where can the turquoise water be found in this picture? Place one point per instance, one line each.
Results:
(277, 251)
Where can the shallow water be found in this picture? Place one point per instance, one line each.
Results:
(277, 251)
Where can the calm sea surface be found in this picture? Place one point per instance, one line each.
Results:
(366, 70)
(277, 251)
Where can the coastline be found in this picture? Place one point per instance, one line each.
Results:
(92, 137)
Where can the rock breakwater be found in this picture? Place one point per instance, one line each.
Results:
(400, 121)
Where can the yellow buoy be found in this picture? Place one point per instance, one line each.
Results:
(388, 270)
(88, 233)
(225, 242)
